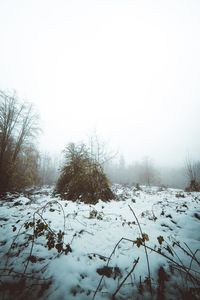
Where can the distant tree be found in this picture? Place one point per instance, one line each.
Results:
(122, 163)
(192, 170)
(148, 172)
(173, 176)
(26, 171)
(99, 152)
(197, 166)
(82, 176)
(48, 172)
(122, 170)
(18, 127)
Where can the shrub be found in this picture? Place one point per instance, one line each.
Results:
(82, 177)
(193, 187)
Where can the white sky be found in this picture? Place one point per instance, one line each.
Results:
(128, 69)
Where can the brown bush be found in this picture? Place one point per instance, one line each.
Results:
(82, 177)
(193, 187)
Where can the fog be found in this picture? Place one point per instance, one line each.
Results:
(99, 149)
(128, 70)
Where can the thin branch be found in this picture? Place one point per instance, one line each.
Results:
(113, 251)
(123, 281)
(147, 258)
(32, 245)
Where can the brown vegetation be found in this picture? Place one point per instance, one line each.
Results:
(82, 177)
(18, 156)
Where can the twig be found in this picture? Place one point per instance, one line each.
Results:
(131, 271)
(147, 258)
(184, 268)
(54, 202)
(13, 244)
(190, 266)
(193, 254)
(173, 251)
(125, 239)
(33, 240)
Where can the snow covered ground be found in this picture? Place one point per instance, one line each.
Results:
(53, 249)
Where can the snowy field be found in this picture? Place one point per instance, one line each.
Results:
(53, 249)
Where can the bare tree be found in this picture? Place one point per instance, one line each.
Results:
(26, 171)
(48, 169)
(98, 150)
(192, 170)
(18, 125)
(148, 172)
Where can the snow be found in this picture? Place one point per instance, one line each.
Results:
(92, 231)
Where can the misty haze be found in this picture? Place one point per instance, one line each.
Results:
(99, 149)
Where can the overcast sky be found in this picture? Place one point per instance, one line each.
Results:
(128, 69)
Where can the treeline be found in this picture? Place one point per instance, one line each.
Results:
(21, 164)
(145, 172)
